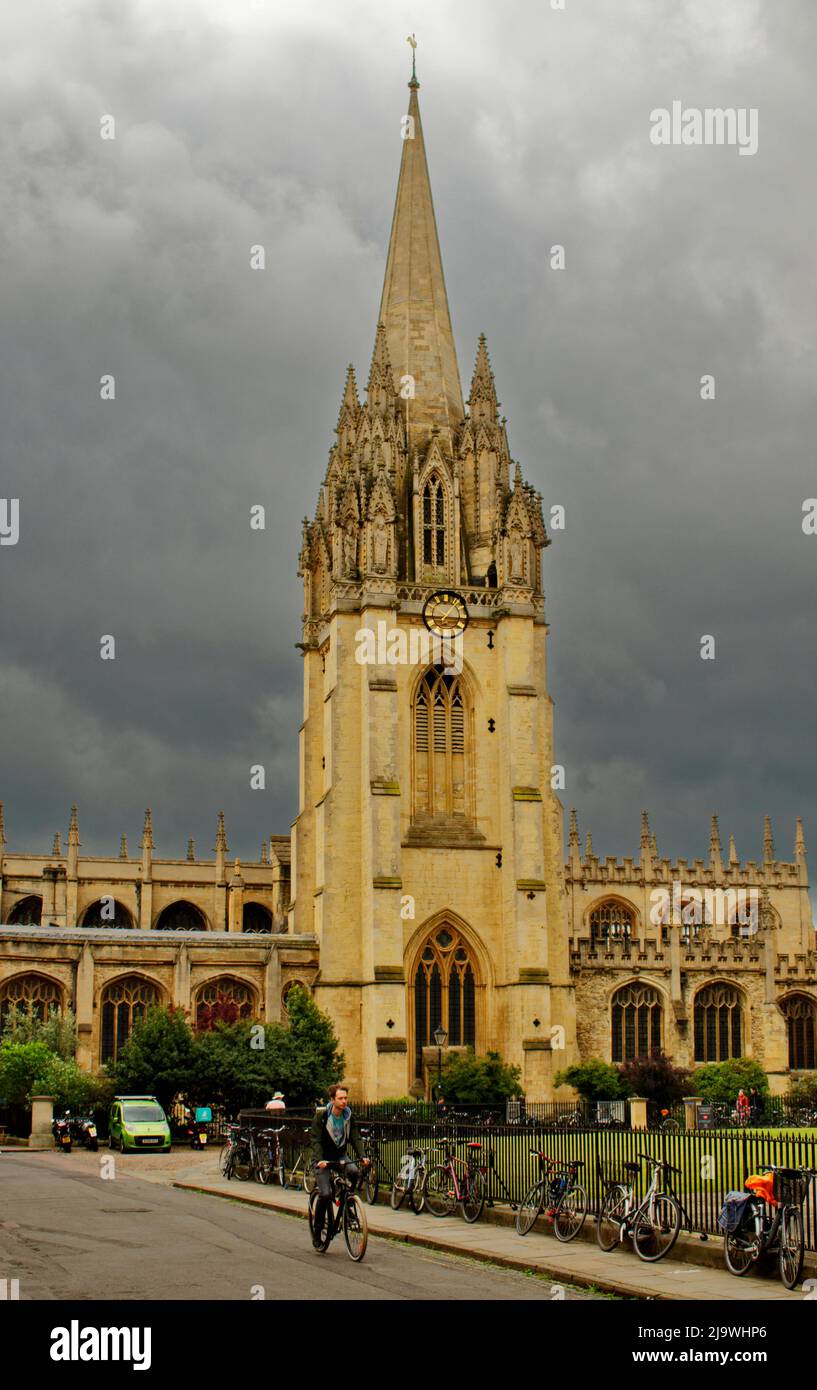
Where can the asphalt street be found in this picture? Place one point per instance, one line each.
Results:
(69, 1232)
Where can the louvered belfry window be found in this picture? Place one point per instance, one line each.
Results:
(440, 746)
(434, 524)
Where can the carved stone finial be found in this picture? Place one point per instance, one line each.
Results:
(56, 848)
(588, 840)
(147, 831)
(768, 841)
(799, 840)
(264, 852)
(221, 837)
(123, 847)
(191, 851)
(733, 854)
(574, 830)
(73, 829)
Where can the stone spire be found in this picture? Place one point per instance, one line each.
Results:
(147, 846)
(414, 305)
(73, 844)
(588, 846)
(56, 848)
(220, 848)
(191, 851)
(264, 852)
(715, 853)
(646, 845)
(768, 841)
(482, 400)
(350, 403)
(123, 847)
(574, 848)
(654, 850)
(2, 826)
(733, 854)
(799, 841)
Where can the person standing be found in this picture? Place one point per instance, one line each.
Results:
(277, 1102)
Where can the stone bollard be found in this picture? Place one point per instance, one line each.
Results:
(638, 1112)
(691, 1104)
(42, 1115)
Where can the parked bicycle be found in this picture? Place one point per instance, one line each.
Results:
(410, 1181)
(303, 1165)
(345, 1211)
(457, 1182)
(653, 1223)
(271, 1156)
(238, 1157)
(377, 1166)
(770, 1221)
(557, 1192)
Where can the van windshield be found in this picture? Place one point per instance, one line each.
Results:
(146, 1113)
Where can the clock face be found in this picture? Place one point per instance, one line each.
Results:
(445, 614)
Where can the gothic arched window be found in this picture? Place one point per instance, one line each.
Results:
(27, 912)
(434, 523)
(441, 746)
(181, 916)
(33, 995)
(636, 1019)
(256, 918)
(718, 1023)
(801, 1024)
(444, 993)
(107, 912)
(612, 920)
(123, 1003)
(223, 1000)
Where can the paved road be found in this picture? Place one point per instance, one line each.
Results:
(68, 1233)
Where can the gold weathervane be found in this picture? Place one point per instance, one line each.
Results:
(412, 40)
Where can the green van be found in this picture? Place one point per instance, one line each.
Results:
(138, 1122)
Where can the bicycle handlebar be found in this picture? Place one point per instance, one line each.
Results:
(659, 1162)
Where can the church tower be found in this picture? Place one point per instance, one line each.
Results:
(427, 850)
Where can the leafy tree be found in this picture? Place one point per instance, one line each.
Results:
(594, 1080)
(803, 1090)
(58, 1032)
(158, 1056)
(655, 1078)
(304, 1055)
(719, 1082)
(22, 1064)
(471, 1080)
(229, 1069)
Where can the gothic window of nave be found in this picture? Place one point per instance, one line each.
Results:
(32, 995)
(441, 746)
(636, 1020)
(223, 1001)
(800, 1013)
(444, 993)
(718, 1023)
(434, 552)
(256, 919)
(98, 914)
(181, 916)
(123, 1002)
(27, 912)
(612, 920)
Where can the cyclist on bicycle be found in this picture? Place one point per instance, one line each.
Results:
(333, 1132)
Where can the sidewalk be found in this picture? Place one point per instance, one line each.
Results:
(581, 1263)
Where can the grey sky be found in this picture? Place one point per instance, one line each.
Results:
(241, 123)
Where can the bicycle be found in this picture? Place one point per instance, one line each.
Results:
(344, 1211)
(237, 1156)
(567, 1200)
(457, 1182)
(653, 1224)
(371, 1180)
(411, 1181)
(303, 1164)
(271, 1156)
(779, 1232)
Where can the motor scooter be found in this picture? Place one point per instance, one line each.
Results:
(61, 1130)
(197, 1124)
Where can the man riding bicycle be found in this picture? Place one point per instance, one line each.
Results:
(333, 1132)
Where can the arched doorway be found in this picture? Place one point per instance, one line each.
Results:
(443, 986)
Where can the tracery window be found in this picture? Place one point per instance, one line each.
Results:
(444, 993)
(256, 918)
(33, 995)
(440, 746)
(98, 914)
(27, 912)
(434, 523)
(123, 1002)
(612, 920)
(636, 1022)
(718, 1023)
(223, 1000)
(181, 916)
(801, 1017)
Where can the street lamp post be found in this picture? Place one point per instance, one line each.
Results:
(440, 1038)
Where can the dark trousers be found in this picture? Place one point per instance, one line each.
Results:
(324, 1182)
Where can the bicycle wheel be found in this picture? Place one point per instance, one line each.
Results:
(355, 1228)
(280, 1169)
(473, 1198)
(530, 1208)
(440, 1198)
(325, 1234)
(654, 1236)
(612, 1217)
(310, 1181)
(417, 1192)
(399, 1190)
(570, 1214)
(243, 1166)
(791, 1246)
(225, 1160)
(263, 1172)
(370, 1184)
(738, 1253)
(670, 1127)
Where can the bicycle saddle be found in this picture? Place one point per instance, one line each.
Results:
(631, 1167)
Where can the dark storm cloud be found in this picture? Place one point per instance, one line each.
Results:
(242, 124)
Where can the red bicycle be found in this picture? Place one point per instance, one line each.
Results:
(457, 1182)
